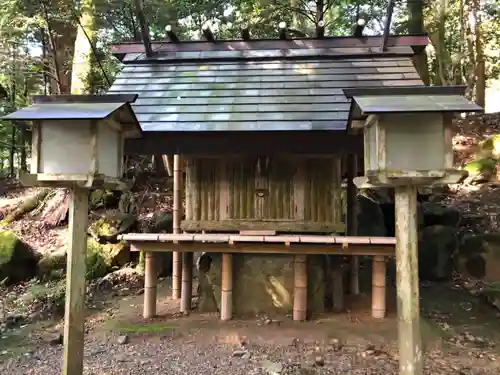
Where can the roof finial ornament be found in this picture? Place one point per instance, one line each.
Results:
(282, 30)
(171, 35)
(207, 32)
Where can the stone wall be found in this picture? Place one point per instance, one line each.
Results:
(261, 284)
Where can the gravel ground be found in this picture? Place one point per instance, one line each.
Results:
(222, 350)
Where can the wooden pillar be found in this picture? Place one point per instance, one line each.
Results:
(409, 339)
(187, 281)
(150, 285)
(74, 310)
(378, 287)
(300, 288)
(352, 219)
(226, 301)
(177, 215)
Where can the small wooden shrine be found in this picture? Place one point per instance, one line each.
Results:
(260, 129)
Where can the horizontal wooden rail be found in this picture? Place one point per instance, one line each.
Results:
(233, 238)
(281, 244)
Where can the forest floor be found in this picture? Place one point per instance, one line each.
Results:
(461, 335)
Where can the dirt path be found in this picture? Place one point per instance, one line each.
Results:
(459, 336)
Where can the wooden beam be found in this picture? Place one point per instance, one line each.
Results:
(268, 248)
(150, 285)
(276, 225)
(226, 303)
(352, 219)
(300, 288)
(245, 142)
(176, 209)
(378, 287)
(387, 25)
(187, 282)
(171, 35)
(421, 40)
(146, 40)
(74, 310)
(409, 335)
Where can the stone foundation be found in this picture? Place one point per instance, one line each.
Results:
(262, 284)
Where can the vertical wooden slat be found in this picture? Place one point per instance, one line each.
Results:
(150, 285)
(187, 281)
(119, 156)
(226, 305)
(378, 287)
(74, 311)
(177, 214)
(223, 190)
(409, 339)
(300, 288)
(187, 189)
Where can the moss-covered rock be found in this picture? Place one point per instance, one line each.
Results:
(101, 198)
(437, 247)
(18, 261)
(481, 170)
(101, 258)
(52, 265)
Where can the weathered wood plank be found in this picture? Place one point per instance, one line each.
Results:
(409, 336)
(276, 225)
(150, 285)
(74, 311)
(269, 248)
(177, 215)
(300, 288)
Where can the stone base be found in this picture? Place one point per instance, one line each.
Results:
(262, 284)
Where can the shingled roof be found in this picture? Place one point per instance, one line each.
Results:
(296, 89)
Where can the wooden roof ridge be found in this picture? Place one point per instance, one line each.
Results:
(416, 41)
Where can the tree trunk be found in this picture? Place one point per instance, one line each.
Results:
(82, 58)
(480, 65)
(416, 26)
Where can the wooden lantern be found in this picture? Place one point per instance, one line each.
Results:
(79, 138)
(407, 133)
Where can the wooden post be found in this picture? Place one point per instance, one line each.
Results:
(300, 288)
(187, 281)
(410, 342)
(226, 301)
(378, 287)
(176, 256)
(352, 219)
(74, 311)
(150, 282)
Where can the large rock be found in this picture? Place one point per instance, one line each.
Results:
(52, 265)
(436, 248)
(436, 214)
(102, 258)
(261, 284)
(18, 261)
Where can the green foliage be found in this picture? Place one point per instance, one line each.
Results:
(97, 264)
